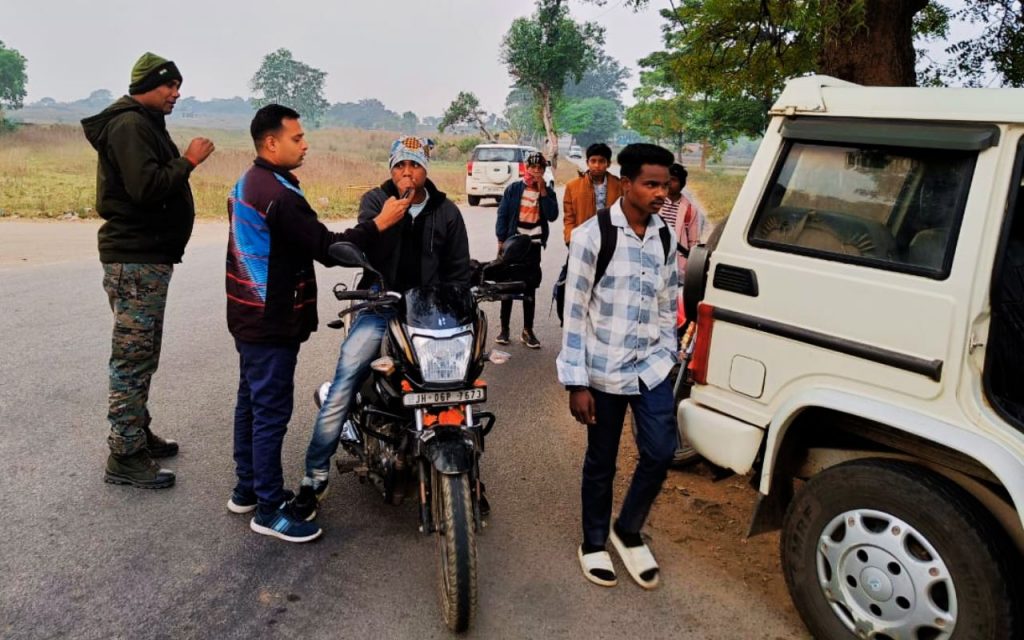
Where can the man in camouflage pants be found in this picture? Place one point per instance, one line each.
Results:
(142, 193)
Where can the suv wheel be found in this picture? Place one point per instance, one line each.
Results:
(474, 201)
(885, 549)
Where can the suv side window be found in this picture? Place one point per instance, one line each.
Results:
(892, 208)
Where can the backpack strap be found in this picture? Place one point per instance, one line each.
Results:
(609, 238)
(666, 240)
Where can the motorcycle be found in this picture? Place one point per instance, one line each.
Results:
(414, 427)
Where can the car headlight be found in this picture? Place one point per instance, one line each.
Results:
(443, 359)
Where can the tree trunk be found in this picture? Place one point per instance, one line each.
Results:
(704, 155)
(483, 130)
(549, 127)
(880, 51)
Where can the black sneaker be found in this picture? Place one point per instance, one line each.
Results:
(245, 501)
(282, 523)
(305, 505)
(502, 338)
(529, 339)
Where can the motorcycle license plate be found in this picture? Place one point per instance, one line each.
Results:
(461, 396)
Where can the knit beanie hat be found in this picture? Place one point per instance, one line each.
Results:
(411, 148)
(151, 71)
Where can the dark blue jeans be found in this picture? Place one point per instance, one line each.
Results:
(265, 399)
(656, 440)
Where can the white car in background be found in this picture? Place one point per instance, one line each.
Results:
(575, 151)
(492, 167)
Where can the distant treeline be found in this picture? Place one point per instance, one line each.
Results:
(232, 113)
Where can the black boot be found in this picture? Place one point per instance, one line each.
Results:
(137, 470)
(159, 447)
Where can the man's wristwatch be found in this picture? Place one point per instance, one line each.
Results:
(574, 387)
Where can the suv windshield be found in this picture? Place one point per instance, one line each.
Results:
(886, 207)
(497, 154)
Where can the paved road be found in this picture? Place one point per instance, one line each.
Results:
(82, 559)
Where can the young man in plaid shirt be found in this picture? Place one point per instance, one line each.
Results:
(618, 346)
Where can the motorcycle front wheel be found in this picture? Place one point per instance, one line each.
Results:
(456, 549)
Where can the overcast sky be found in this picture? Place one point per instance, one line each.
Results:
(410, 54)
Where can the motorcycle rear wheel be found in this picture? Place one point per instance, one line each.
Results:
(456, 549)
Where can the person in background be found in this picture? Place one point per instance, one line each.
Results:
(682, 215)
(594, 190)
(526, 208)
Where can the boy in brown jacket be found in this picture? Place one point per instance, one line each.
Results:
(594, 190)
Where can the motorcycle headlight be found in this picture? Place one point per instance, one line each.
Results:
(443, 359)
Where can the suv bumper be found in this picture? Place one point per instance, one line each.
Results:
(725, 441)
(485, 189)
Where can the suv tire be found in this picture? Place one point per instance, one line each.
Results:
(873, 533)
(474, 201)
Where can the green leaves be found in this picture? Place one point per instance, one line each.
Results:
(284, 80)
(12, 79)
(465, 109)
(545, 50)
(589, 119)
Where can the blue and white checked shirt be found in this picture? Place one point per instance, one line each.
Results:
(623, 331)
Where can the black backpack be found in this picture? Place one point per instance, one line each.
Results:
(609, 238)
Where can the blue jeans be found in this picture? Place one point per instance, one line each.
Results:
(656, 440)
(265, 399)
(360, 348)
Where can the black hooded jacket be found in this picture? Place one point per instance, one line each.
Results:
(438, 234)
(141, 186)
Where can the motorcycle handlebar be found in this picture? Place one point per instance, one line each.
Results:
(370, 304)
(357, 294)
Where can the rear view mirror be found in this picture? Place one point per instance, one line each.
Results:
(348, 255)
(695, 279)
(516, 249)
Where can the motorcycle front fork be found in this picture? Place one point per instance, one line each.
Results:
(427, 524)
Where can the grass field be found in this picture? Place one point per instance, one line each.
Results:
(716, 190)
(47, 171)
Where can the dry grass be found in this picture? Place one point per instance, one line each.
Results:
(716, 190)
(48, 171)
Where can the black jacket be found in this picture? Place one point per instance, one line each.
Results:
(141, 186)
(273, 240)
(507, 222)
(443, 242)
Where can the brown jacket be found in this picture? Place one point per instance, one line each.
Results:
(579, 203)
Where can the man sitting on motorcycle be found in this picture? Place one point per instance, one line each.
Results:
(428, 247)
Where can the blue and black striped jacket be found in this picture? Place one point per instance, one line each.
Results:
(273, 240)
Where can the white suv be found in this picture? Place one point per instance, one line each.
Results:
(860, 349)
(492, 167)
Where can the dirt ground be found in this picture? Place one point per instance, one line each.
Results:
(709, 519)
(706, 520)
